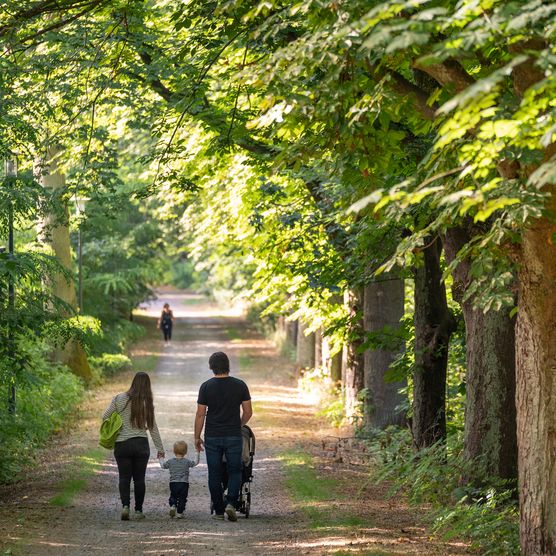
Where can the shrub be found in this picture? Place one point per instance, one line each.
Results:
(109, 364)
(45, 404)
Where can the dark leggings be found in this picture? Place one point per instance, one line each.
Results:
(167, 331)
(132, 456)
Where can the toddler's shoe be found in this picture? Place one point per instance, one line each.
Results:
(125, 513)
(173, 511)
(180, 516)
(219, 517)
(139, 515)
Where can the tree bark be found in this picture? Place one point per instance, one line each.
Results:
(318, 348)
(55, 232)
(353, 367)
(384, 308)
(490, 415)
(536, 387)
(332, 363)
(305, 355)
(291, 332)
(434, 325)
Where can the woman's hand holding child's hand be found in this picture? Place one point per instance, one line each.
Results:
(160, 455)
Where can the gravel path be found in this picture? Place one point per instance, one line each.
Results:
(30, 525)
(92, 526)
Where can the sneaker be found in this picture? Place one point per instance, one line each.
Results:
(125, 513)
(220, 517)
(180, 516)
(173, 511)
(139, 515)
(231, 513)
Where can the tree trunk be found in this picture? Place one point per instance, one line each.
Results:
(318, 348)
(305, 355)
(291, 333)
(536, 387)
(384, 308)
(433, 326)
(353, 367)
(332, 363)
(490, 415)
(56, 233)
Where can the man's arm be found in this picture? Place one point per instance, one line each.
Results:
(199, 424)
(247, 412)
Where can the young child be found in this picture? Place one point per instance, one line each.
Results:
(179, 477)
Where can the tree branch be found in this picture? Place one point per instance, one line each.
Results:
(404, 87)
(449, 72)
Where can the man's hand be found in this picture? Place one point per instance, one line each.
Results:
(199, 424)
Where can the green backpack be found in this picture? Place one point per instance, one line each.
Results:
(109, 430)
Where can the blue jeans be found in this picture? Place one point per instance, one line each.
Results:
(216, 447)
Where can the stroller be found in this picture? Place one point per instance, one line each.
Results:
(244, 501)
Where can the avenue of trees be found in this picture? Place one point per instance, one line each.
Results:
(375, 178)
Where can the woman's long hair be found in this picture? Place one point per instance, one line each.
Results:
(141, 396)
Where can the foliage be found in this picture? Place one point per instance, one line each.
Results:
(111, 363)
(488, 515)
(22, 434)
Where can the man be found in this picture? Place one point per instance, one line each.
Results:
(220, 399)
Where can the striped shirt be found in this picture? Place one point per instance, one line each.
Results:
(179, 468)
(120, 404)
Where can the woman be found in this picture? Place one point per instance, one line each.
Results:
(132, 446)
(165, 323)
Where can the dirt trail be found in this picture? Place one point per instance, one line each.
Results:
(282, 420)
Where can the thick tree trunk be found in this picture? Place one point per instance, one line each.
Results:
(56, 233)
(490, 415)
(536, 388)
(384, 308)
(433, 326)
(353, 367)
(305, 357)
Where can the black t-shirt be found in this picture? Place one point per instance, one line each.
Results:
(223, 397)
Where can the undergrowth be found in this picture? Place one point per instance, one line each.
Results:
(486, 515)
(46, 404)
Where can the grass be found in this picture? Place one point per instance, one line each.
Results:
(80, 471)
(234, 333)
(317, 496)
(145, 363)
(194, 301)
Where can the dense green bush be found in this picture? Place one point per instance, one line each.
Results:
(47, 401)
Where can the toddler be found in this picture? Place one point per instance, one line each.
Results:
(179, 477)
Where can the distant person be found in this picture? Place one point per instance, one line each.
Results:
(132, 446)
(220, 399)
(179, 477)
(165, 323)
